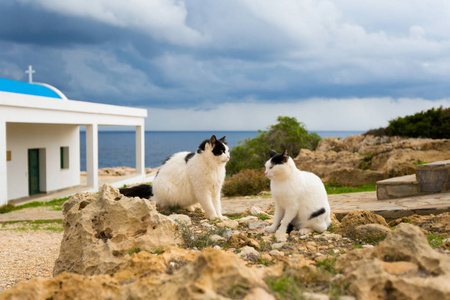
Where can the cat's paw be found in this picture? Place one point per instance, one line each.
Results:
(190, 208)
(304, 231)
(213, 217)
(280, 230)
(270, 229)
(223, 217)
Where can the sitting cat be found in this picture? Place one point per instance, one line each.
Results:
(186, 178)
(300, 197)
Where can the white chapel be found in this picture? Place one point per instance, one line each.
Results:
(40, 138)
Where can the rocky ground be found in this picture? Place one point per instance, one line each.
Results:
(117, 247)
(365, 159)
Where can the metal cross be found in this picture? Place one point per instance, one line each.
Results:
(30, 72)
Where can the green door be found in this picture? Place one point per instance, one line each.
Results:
(33, 171)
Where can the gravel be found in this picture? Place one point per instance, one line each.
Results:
(26, 254)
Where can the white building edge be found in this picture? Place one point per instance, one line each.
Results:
(41, 140)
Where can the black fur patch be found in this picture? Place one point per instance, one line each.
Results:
(290, 228)
(166, 160)
(141, 191)
(317, 213)
(218, 147)
(278, 159)
(189, 156)
(201, 147)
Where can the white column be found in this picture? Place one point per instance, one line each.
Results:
(3, 170)
(140, 150)
(92, 155)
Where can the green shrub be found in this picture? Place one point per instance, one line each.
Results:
(433, 123)
(287, 134)
(7, 208)
(435, 240)
(192, 239)
(245, 183)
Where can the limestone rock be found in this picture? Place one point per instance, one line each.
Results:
(213, 275)
(182, 219)
(100, 229)
(257, 211)
(209, 274)
(239, 239)
(256, 224)
(65, 286)
(400, 267)
(440, 222)
(260, 294)
(248, 251)
(334, 219)
(117, 171)
(145, 264)
(216, 238)
(371, 232)
(361, 159)
(403, 266)
(233, 224)
(356, 218)
(246, 220)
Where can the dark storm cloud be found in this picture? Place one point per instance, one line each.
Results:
(203, 54)
(21, 23)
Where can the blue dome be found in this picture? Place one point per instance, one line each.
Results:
(20, 87)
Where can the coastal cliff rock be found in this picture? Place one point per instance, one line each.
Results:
(115, 247)
(361, 159)
(403, 266)
(209, 274)
(99, 229)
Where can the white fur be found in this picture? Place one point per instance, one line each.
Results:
(297, 194)
(200, 180)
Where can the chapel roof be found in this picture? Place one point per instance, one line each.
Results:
(20, 87)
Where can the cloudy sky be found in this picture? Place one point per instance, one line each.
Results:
(237, 64)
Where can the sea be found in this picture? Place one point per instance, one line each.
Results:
(118, 148)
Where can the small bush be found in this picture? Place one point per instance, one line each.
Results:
(245, 183)
(435, 240)
(286, 286)
(287, 134)
(366, 161)
(377, 132)
(196, 240)
(433, 123)
(7, 208)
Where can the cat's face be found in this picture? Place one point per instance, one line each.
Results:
(276, 164)
(217, 148)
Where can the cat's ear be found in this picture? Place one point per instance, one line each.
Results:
(223, 140)
(212, 140)
(285, 156)
(272, 153)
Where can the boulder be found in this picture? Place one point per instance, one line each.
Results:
(439, 222)
(101, 229)
(214, 274)
(209, 274)
(403, 266)
(371, 233)
(362, 159)
(356, 218)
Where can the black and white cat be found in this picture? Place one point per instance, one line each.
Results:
(187, 178)
(300, 197)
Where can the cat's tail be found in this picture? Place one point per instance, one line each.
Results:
(141, 191)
